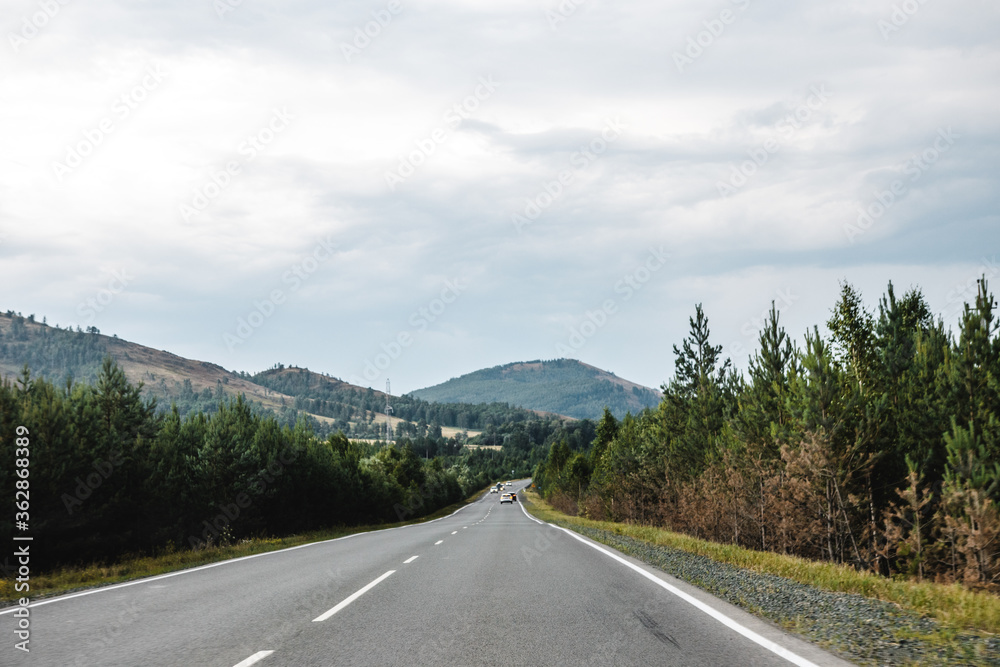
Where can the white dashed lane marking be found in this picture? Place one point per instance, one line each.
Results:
(352, 598)
(256, 657)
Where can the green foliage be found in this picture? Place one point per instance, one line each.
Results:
(352, 406)
(853, 332)
(51, 352)
(763, 413)
(111, 476)
(607, 430)
(697, 401)
(877, 446)
(562, 386)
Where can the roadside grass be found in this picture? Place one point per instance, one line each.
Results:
(952, 605)
(72, 579)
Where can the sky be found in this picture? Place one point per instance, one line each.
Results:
(415, 189)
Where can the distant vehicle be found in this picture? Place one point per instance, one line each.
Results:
(493, 489)
(505, 498)
(513, 496)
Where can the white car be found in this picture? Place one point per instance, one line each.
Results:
(493, 489)
(505, 498)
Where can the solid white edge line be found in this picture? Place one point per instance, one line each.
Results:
(158, 577)
(771, 646)
(256, 657)
(103, 589)
(410, 559)
(351, 598)
(528, 515)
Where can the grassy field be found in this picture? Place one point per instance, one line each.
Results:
(951, 605)
(88, 576)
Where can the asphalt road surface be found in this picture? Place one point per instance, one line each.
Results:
(488, 585)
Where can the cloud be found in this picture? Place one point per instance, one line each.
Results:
(412, 99)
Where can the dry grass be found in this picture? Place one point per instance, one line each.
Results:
(952, 605)
(70, 579)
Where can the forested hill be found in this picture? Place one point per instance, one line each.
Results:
(323, 395)
(564, 386)
(329, 404)
(57, 354)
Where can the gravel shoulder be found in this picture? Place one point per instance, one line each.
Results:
(863, 630)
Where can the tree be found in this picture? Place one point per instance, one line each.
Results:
(853, 335)
(607, 429)
(763, 412)
(697, 401)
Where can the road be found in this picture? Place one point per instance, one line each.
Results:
(488, 585)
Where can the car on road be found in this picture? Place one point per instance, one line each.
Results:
(513, 496)
(493, 489)
(505, 498)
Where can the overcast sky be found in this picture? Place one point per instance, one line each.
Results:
(417, 189)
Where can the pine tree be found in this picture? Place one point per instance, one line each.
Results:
(607, 429)
(763, 412)
(697, 401)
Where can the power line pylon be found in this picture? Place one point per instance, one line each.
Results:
(388, 414)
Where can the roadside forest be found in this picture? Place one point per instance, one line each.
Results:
(112, 476)
(875, 442)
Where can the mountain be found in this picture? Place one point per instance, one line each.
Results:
(57, 354)
(564, 386)
(199, 386)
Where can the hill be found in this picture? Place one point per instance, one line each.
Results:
(323, 395)
(57, 354)
(60, 355)
(564, 386)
